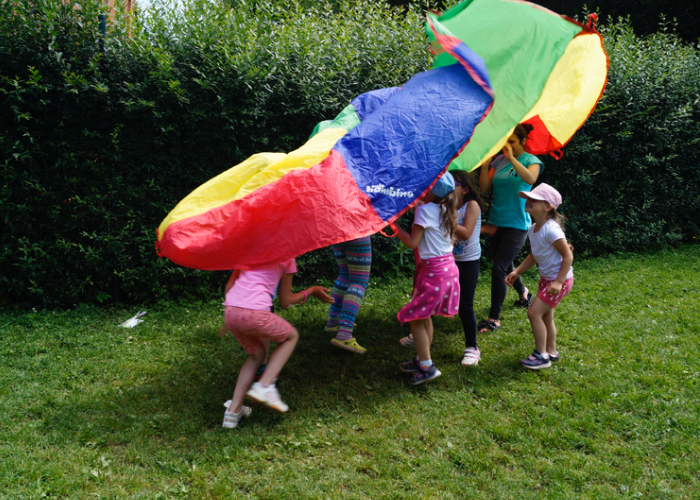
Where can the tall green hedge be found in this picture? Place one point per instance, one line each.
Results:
(630, 178)
(97, 147)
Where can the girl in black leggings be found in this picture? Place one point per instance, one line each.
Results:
(467, 252)
(508, 174)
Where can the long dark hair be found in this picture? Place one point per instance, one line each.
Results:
(467, 181)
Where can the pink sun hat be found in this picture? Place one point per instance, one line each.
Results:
(543, 192)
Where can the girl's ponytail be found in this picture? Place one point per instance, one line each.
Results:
(448, 218)
(557, 217)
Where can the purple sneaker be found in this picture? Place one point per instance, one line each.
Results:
(536, 361)
(410, 366)
(423, 376)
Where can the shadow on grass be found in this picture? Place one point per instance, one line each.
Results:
(176, 389)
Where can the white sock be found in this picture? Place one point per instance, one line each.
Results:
(425, 364)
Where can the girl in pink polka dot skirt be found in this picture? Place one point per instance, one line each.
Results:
(437, 284)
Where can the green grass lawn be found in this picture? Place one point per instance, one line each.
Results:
(91, 410)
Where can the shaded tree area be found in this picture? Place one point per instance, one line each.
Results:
(645, 15)
(101, 140)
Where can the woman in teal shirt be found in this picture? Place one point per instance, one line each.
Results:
(513, 171)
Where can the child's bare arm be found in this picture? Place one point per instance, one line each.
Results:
(287, 298)
(410, 240)
(563, 247)
(524, 266)
(321, 293)
(465, 230)
(232, 279)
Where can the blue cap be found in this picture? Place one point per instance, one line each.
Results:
(444, 186)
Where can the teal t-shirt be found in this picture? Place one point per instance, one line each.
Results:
(507, 208)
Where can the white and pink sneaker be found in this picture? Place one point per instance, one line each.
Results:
(231, 420)
(267, 396)
(472, 355)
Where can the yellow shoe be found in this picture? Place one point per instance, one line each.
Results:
(349, 345)
(334, 329)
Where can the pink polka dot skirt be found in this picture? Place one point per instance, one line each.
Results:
(436, 290)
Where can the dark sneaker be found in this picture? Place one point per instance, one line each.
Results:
(410, 366)
(535, 361)
(554, 358)
(258, 374)
(423, 376)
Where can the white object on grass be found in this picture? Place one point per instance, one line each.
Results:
(132, 322)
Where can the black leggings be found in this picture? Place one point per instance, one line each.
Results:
(505, 246)
(468, 278)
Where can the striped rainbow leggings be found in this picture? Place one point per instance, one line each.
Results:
(354, 259)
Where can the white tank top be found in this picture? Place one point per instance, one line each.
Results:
(467, 250)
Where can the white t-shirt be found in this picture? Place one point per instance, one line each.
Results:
(434, 243)
(542, 247)
(254, 289)
(468, 250)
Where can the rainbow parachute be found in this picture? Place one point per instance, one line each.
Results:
(545, 70)
(499, 63)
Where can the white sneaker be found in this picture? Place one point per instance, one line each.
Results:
(471, 356)
(231, 419)
(267, 396)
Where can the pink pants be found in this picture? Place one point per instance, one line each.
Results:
(248, 326)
